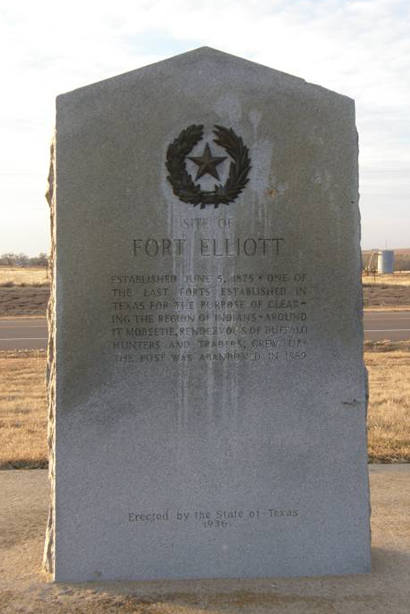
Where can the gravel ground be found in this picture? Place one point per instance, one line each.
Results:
(24, 589)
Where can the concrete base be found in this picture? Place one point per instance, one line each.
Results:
(23, 587)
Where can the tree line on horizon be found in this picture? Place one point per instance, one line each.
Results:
(22, 260)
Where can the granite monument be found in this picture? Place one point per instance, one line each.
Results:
(207, 393)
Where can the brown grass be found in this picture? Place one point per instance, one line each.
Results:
(400, 278)
(389, 308)
(23, 276)
(23, 301)
(389, 405)
(23, 416)
(23, 291)
(386, 293)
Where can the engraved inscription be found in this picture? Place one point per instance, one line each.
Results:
(207, 318)
(217, 519)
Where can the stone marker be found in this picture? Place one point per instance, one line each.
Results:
(207, 387)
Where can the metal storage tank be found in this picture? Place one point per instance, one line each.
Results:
(385, 261)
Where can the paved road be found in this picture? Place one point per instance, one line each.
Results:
(31, 333)
(393, 325)
(23, 333)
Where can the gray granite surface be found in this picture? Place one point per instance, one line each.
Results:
(207, 387)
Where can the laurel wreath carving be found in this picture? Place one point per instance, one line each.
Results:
(182, 183)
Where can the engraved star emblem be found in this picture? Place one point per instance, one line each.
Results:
(207, 163)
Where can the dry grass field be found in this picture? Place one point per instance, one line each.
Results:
(23, 276)
(23, 417)
(386, 291)
(384, 297)
(25, 301)
(24, 291)
(388, 365)
(400, 278)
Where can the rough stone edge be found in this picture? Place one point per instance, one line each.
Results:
(49, 546)
(361, 312)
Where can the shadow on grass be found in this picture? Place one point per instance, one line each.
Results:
(24, 463)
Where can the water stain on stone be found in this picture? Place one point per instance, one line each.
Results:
(272, 192)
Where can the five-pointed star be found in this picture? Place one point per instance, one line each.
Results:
(207, 163)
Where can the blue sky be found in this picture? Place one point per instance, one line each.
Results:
(360, 48)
